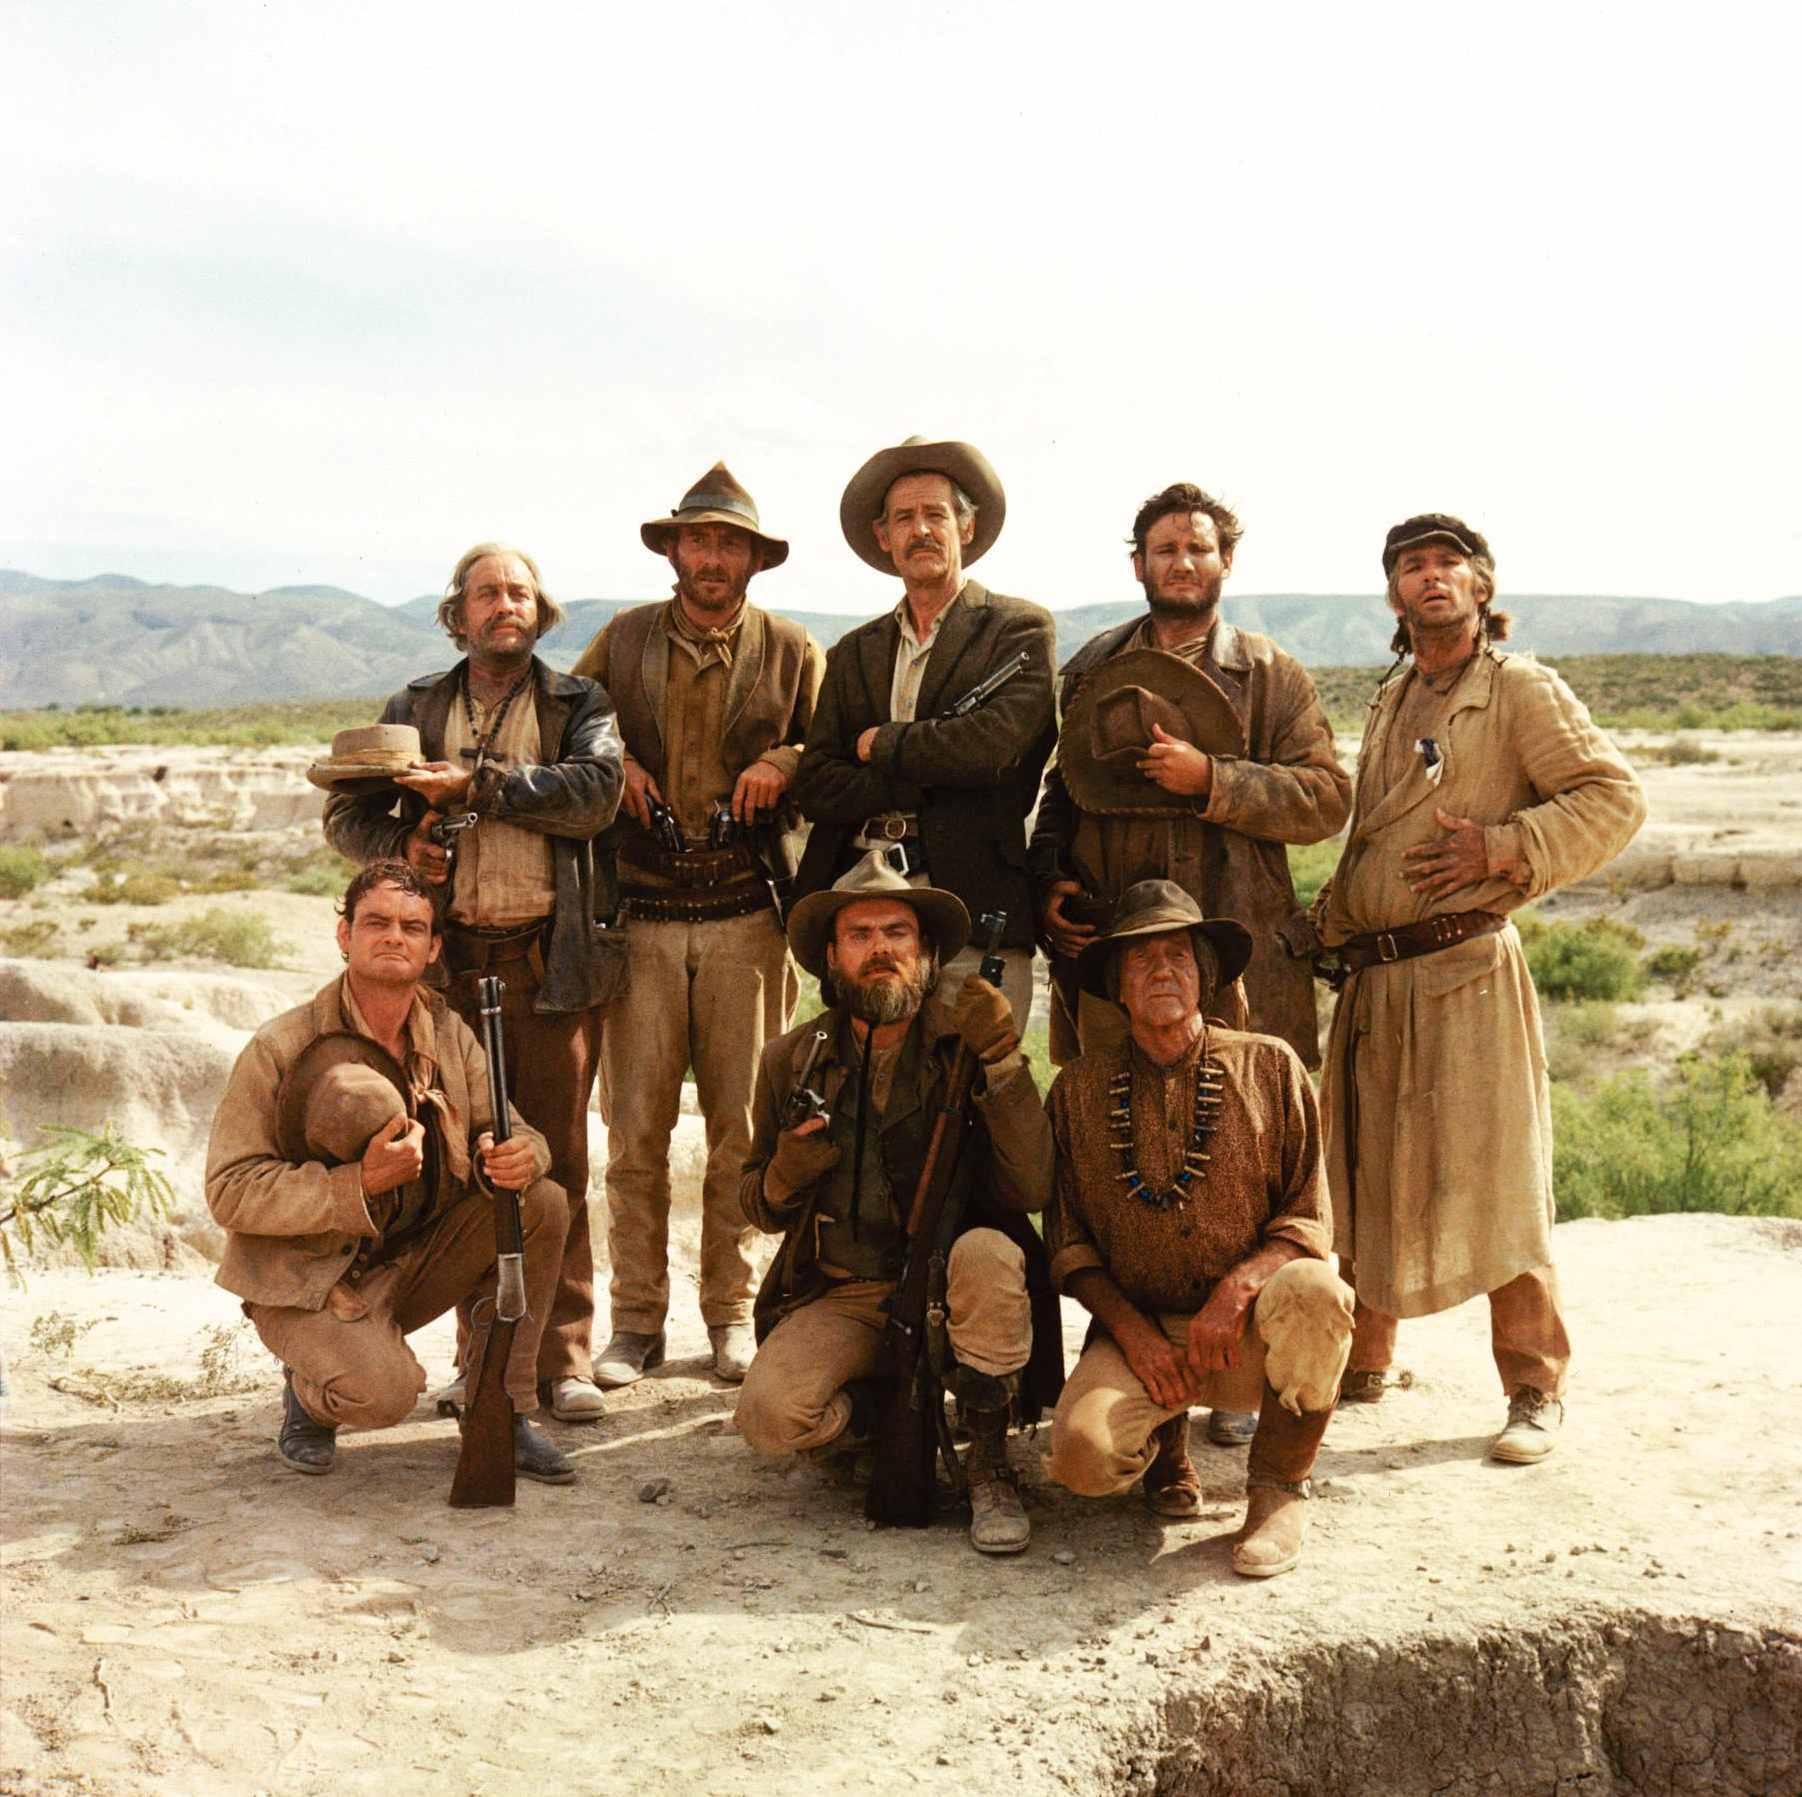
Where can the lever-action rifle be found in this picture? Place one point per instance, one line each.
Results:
(913, 1430)
(484, 1477)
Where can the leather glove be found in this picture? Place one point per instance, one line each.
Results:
(799, 1161)
(985, 1020)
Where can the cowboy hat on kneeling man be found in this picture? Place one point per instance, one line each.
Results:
(839, 1189)
(1189, 1214)
(342, 1166)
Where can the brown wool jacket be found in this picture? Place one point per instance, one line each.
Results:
(292, 1228)
(972, 780)
(1003, 1173)
(1229, 857)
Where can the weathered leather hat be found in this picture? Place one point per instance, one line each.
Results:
(1107, 729)
(1436, 527)
(367, 758)
(961, 462)
(810, 923)
(1155, 908)
(716, 498)
(340, 1090)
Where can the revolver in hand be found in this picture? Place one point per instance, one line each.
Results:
(806, 1102)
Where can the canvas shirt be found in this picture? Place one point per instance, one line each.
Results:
(504, 877)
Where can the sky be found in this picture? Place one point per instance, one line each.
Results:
(326, 293)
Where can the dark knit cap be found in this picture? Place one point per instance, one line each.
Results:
(1436, 527)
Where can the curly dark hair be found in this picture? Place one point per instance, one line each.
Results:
(392, 873)
(1185, 497)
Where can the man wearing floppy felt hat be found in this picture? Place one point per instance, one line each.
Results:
(343, 1166)
(886, 768)
(1189, 1216)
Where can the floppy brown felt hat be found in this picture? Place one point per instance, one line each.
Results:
(716, 498)
(340, 1090)
(1155, 908)
(367, 758)
(960, 462)
(1107, 729)
(810, 923)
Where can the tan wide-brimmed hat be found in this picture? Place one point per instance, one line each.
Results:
(1107, 729)
(810, 923)
(368, 757)
(961, 462)
(1155, 908)
(340, 1090)
(716, 498)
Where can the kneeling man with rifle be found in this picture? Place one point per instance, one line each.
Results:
(1190, 1216)
(345, 1165)
(907, 1249)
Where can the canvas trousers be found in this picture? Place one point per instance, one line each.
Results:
(551, 1062)
(1299, 1335)
(707, 996)
(1526, 1333)
(793, 1397)
(358, 1372)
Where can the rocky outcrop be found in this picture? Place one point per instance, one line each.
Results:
(99, 792)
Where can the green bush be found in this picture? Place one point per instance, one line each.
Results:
(135, 889)
(37, 940)
(239, 938)
(324, 877)
(1310, 867)
(1594, 960)
(1710, 1141)
(1678, 965)
(21, 869)
(1771, 1041)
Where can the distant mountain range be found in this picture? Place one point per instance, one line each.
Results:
(118, 641)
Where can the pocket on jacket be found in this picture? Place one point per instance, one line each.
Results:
(1450, 968)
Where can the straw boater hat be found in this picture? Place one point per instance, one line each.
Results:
(960, 462)
(810, 923)
(1155, 908)
(1436, 527)
(364, 759)
(716, 498)
(1107, 729)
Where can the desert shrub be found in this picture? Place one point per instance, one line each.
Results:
(1681, 751)
(239, 938)
(1678, 965)
(1594, 960)
(1771, 1041)
(325, 876)
(72, 1188)
(1710, 1141)
(135, 889)
(37, 940)
(1310, 867)
(21, 869)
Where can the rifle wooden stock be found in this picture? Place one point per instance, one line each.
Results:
(485, 1476)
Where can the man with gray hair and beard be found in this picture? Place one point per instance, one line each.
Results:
(528, 762)
(838, 1188)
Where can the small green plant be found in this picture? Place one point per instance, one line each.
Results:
(1594, 960)
(1310, 868)
(54, 1334)
(1710, 1141)
(37, 940)
(21, 869)
(135, 889)
(72, 1188)
(238, 938)
(326, 876)
(1678, 965)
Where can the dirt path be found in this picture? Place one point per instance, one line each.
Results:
(183, 1615)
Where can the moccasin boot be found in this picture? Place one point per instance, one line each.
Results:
(734, 1346)
(1172, 1485)
(998, 1520)
(536, 1456)
(627, 1358)
(306, 1445)
(1278, 1488)
(573, 1400)
(1533, 1424)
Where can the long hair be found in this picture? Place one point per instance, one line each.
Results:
(450, 607)
(1492, 626)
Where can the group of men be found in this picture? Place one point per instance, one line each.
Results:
(643, 849)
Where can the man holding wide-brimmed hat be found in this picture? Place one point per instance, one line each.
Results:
(527, 760)
(1193, 751)
(1482, 784)
(838, 1189)
(888, 767)
(1189, 1215)
(714, 697)
(342, 1167)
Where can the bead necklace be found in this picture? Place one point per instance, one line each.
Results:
(1208, 1083)
(497, 717)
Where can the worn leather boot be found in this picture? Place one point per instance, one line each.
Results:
(536, 1456)
(1278, 1488)
(1172, 1485)
(627, 1358)
(998, 1520)
(306, 1445)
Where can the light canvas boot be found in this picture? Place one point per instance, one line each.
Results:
(1277, 1488)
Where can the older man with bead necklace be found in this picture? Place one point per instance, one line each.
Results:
(1190, 1217)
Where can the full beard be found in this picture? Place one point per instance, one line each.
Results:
(876, 1000)
(713, 606)
(1199, 602)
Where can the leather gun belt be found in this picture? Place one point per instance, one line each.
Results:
(1406, 941)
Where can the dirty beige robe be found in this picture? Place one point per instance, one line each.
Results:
(1449, 1192)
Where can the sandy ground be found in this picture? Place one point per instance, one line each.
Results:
(184, 1615)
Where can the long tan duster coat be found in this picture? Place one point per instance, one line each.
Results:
(1437, 1107)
